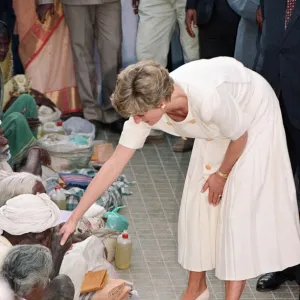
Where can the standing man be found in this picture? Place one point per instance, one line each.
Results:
(158, 19)
(280, 47)
(217, 24)
(96, 23)
(249, 31)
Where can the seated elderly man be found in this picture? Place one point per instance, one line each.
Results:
(34, 219)
(27, 269)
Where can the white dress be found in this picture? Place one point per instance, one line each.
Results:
(255, 229)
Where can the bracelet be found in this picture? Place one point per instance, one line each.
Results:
(224, 175)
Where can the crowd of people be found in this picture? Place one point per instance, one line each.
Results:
(67, 55)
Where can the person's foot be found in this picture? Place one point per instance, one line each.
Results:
(195, 294)
(182, 145)
(96, 123)
(117, 126)
(155, 136)
(272, 281)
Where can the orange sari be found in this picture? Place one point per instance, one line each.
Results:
(45, 52)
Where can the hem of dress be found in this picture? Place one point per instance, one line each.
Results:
(244, 278)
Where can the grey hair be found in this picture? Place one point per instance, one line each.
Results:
(15, 184)
(26, 267)
(141, 87)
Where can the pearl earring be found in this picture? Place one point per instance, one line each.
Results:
(163, 107)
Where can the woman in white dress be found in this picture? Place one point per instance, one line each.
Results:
(239, 181)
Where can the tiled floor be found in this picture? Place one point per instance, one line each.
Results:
(153, 213)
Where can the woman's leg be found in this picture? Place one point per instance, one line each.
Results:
(25, 105)
(234, 289)
(19, 136)
(196, 286)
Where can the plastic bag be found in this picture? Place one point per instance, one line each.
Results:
(67, 146)
(76, 125)
(116, 221)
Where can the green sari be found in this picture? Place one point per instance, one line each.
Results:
(17, 130)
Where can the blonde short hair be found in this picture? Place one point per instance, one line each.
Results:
(141, 87)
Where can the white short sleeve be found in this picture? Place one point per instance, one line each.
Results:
(219, 107)
(134, 135)
(228, 115)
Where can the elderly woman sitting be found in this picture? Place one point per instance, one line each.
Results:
(34, 219)
(27, 269)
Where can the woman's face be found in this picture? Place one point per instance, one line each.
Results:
(150, 117)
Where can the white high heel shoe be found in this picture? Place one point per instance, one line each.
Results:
(204, 295)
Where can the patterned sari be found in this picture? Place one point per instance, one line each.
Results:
(46, 55)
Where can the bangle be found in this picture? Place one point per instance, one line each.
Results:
(224, 175)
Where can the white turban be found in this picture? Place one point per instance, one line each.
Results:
(28, 213)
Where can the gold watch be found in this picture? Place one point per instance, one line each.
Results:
(224, 175)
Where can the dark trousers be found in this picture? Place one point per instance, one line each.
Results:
(17, 64)
(218, 36)
(293, 143)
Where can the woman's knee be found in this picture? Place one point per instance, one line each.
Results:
(12, 119)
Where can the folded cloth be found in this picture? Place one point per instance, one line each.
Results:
(75, 180)
(111, 199)
(94, 281)
(28, 213)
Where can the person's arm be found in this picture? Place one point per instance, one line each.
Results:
(225, 112)
(191, 4)
(191, 17)
(216, 182)
(233, 153)
(107, 175)
(247, 9)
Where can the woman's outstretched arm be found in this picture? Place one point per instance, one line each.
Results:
(108, 174)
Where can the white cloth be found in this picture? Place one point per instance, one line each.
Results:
(255, 229)
(5, 247)
(28, 213)
(6, 292)
(46, 114)
(4, 166)
(86, 256)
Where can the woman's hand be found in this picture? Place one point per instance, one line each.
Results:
(67, 230)
(215, 185)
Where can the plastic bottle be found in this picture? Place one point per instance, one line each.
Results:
(123, 251)
(52, 127)
(59, 198)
